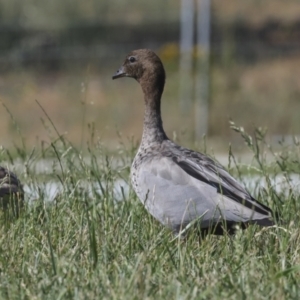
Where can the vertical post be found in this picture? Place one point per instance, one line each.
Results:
(186, 54)
(202, 72)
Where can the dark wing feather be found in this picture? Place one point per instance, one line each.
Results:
(211, 172)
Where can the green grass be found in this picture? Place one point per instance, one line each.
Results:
(87, 245)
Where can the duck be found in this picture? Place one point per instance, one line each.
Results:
(179, 186)
(11, 191)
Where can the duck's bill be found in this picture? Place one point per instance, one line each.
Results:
(120, 73)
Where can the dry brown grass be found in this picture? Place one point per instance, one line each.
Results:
(265, 94)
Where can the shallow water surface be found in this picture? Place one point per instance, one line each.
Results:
(121, 188)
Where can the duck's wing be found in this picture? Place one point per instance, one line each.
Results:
(177, 191)
(206, 170)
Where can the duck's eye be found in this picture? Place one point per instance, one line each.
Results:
(132, 59)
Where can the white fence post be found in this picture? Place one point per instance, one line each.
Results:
(202, 83)
(186, 54)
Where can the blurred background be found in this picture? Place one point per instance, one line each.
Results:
(59, 56)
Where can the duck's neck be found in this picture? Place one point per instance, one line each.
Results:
(153, 131)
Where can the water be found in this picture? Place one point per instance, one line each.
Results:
(49, 189)
(279, 183)
(121, 188)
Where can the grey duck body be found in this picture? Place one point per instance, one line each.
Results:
(175, 184)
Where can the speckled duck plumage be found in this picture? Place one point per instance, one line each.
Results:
(178, 185)
(10, 189)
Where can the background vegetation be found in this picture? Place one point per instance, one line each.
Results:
(63, 54)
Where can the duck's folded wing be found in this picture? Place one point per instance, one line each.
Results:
(177, 193)
(213, 174)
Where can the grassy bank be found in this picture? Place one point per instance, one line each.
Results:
(87, 245)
